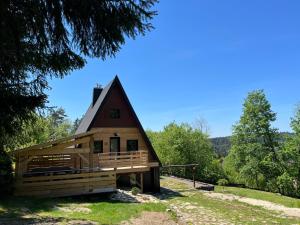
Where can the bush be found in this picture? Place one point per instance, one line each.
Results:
(286, 185)
(6, 175)
(135, 191)
(214, 172)
(222, 182)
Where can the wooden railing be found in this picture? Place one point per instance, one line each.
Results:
(67, 184)
(73, 163)
(121, 159)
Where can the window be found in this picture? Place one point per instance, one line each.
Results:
(98, 146)
(114, 113)
(132, 145)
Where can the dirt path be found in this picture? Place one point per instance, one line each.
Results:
(151, 218)
(188, 213)
(285, 211)
(265, 204)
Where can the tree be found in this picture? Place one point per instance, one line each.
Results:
(182, 144)
(289, 182)
(41, 128)
(36, 130)
(201, 124)
(76, 123)
(48, 39)
(254, 150)
(59, 126)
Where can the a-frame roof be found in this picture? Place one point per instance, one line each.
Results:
(90, 115)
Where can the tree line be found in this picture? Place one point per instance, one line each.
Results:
(259, 155)
(222, 145)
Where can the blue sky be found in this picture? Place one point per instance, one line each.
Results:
(201, 60)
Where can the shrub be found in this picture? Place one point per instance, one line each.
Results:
(286, 185)
(135, 190)
(222, 182)
(6, 176)
(214, 172)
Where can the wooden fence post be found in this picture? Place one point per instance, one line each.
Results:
(194, 169)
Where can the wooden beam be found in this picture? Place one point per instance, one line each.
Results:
(50, 143)
(91, 153)
(142, 182)
(83, 158)
(60, 151)
(153, 164)
(59, 147)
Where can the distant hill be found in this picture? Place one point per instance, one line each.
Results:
(222, 145)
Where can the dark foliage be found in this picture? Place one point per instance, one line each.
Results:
(221, 145)
(5, 173)
(46, 39)
(42, 39)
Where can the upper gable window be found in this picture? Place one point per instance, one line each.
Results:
(114, 113)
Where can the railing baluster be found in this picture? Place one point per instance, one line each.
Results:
(110, 160)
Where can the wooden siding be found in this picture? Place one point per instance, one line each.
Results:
(67, 184)
(124, 133)
(115, 100)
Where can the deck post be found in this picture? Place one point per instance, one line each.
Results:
(140, 157)
(142, 182)
(194, 168)
(91, 153)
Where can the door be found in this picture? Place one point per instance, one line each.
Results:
(114, 144)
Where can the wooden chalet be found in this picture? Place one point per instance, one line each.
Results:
(109, 149)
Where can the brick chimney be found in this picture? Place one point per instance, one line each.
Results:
(96, 93)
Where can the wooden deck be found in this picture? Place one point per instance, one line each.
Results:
(69, 167)
(71, 174)
(54, 185)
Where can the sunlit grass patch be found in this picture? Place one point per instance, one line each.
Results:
(97, 209)
(262, 195)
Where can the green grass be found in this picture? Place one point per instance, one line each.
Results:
(104, 211)
(101, 209)
(262, 195)
(228, 211)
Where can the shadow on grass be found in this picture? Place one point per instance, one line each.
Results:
(166, 193)
(23, 210)
(29, 221)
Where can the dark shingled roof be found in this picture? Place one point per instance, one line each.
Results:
(89, 116)
(92, 110)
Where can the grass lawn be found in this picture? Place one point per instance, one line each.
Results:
(262, 195)
(96, 208)
(188, 204)
(204, 208)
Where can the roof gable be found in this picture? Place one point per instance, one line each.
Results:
(115, 99)
(90, 117)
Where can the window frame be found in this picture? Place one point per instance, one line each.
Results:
(137, 145)
(95, 150)
(114, 113)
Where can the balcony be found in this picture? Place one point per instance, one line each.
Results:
(121, 159)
